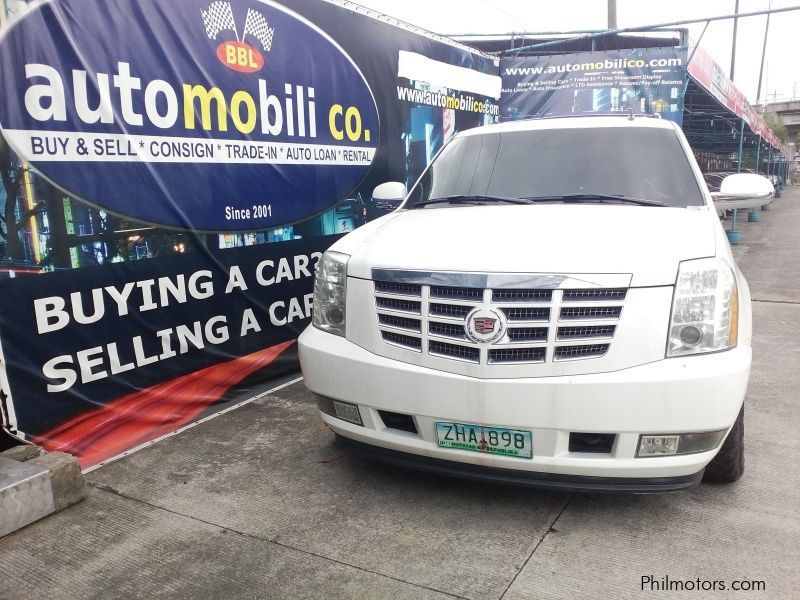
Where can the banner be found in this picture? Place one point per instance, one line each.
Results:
(84, 339)
(213, 100)
(648, 80)
(170, 267)
(706, 72)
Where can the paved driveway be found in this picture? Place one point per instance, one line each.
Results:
(258, 503)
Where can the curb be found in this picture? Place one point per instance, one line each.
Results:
(34, 484)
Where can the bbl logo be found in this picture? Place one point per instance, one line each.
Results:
(238, 55)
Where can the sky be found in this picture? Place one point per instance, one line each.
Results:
(781, 78)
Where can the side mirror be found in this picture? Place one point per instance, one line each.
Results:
(743, 190)
(391, 191)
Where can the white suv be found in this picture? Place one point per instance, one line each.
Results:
(554, 303)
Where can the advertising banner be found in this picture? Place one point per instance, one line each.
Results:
(647, 80)
(230, 119)
(102, 358)
(706, 72)
(171, 173)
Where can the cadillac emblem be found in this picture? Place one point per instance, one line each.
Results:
(485, 325)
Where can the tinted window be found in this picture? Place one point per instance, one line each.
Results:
(645, 163)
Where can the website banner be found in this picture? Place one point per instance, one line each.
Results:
(649, 80)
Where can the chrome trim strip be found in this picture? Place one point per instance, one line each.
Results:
(505, 280)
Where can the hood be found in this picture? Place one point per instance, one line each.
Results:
(645, 242)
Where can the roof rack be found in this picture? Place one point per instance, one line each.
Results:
(628, 115)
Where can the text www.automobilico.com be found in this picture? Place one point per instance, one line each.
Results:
(600, 65)
(455, 102)
(651, 583)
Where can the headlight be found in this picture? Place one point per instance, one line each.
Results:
(330, 290)
(705, 308)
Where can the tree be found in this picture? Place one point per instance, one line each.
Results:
(775, 122)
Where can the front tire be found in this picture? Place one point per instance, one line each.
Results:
(728, 465)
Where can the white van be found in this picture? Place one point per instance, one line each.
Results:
(554, 303)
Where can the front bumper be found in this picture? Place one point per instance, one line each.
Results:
(677, 395)
(515, 477)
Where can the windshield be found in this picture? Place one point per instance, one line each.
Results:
(642, 163)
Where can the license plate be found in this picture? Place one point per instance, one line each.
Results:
(490, 440)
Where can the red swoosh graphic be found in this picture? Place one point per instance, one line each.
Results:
(152, 412)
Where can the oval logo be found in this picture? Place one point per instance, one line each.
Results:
(124, 104)
(485, 325)
(240, 57)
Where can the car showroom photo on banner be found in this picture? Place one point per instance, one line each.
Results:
(644, 80)
(170, 175)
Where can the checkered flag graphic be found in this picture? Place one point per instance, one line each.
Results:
(219, 17)
(256, 25)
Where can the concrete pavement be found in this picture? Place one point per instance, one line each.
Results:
(258, 503)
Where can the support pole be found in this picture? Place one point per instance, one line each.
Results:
(741, 145)
(733, 234)
(758, 156)
(733, 45)
(763, 54)
(612, 14)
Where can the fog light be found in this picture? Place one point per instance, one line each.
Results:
(684, 443)
(658, 445)
(347, 412)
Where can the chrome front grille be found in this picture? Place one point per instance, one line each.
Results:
(540, 325)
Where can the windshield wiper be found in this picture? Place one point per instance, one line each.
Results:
(476, 199)
(596, 198)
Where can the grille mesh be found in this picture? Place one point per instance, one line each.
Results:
(409, 306)
(516, 355)
(522, 295)
(402, 289)
(447, 329)
(399, 322)
(591, 312)
(588, 351)
(456, 311)
(454, 293)
(594, 294)
(527, 334)
(527, 314)
(454, 351)
(402, 340)
(593, 331)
